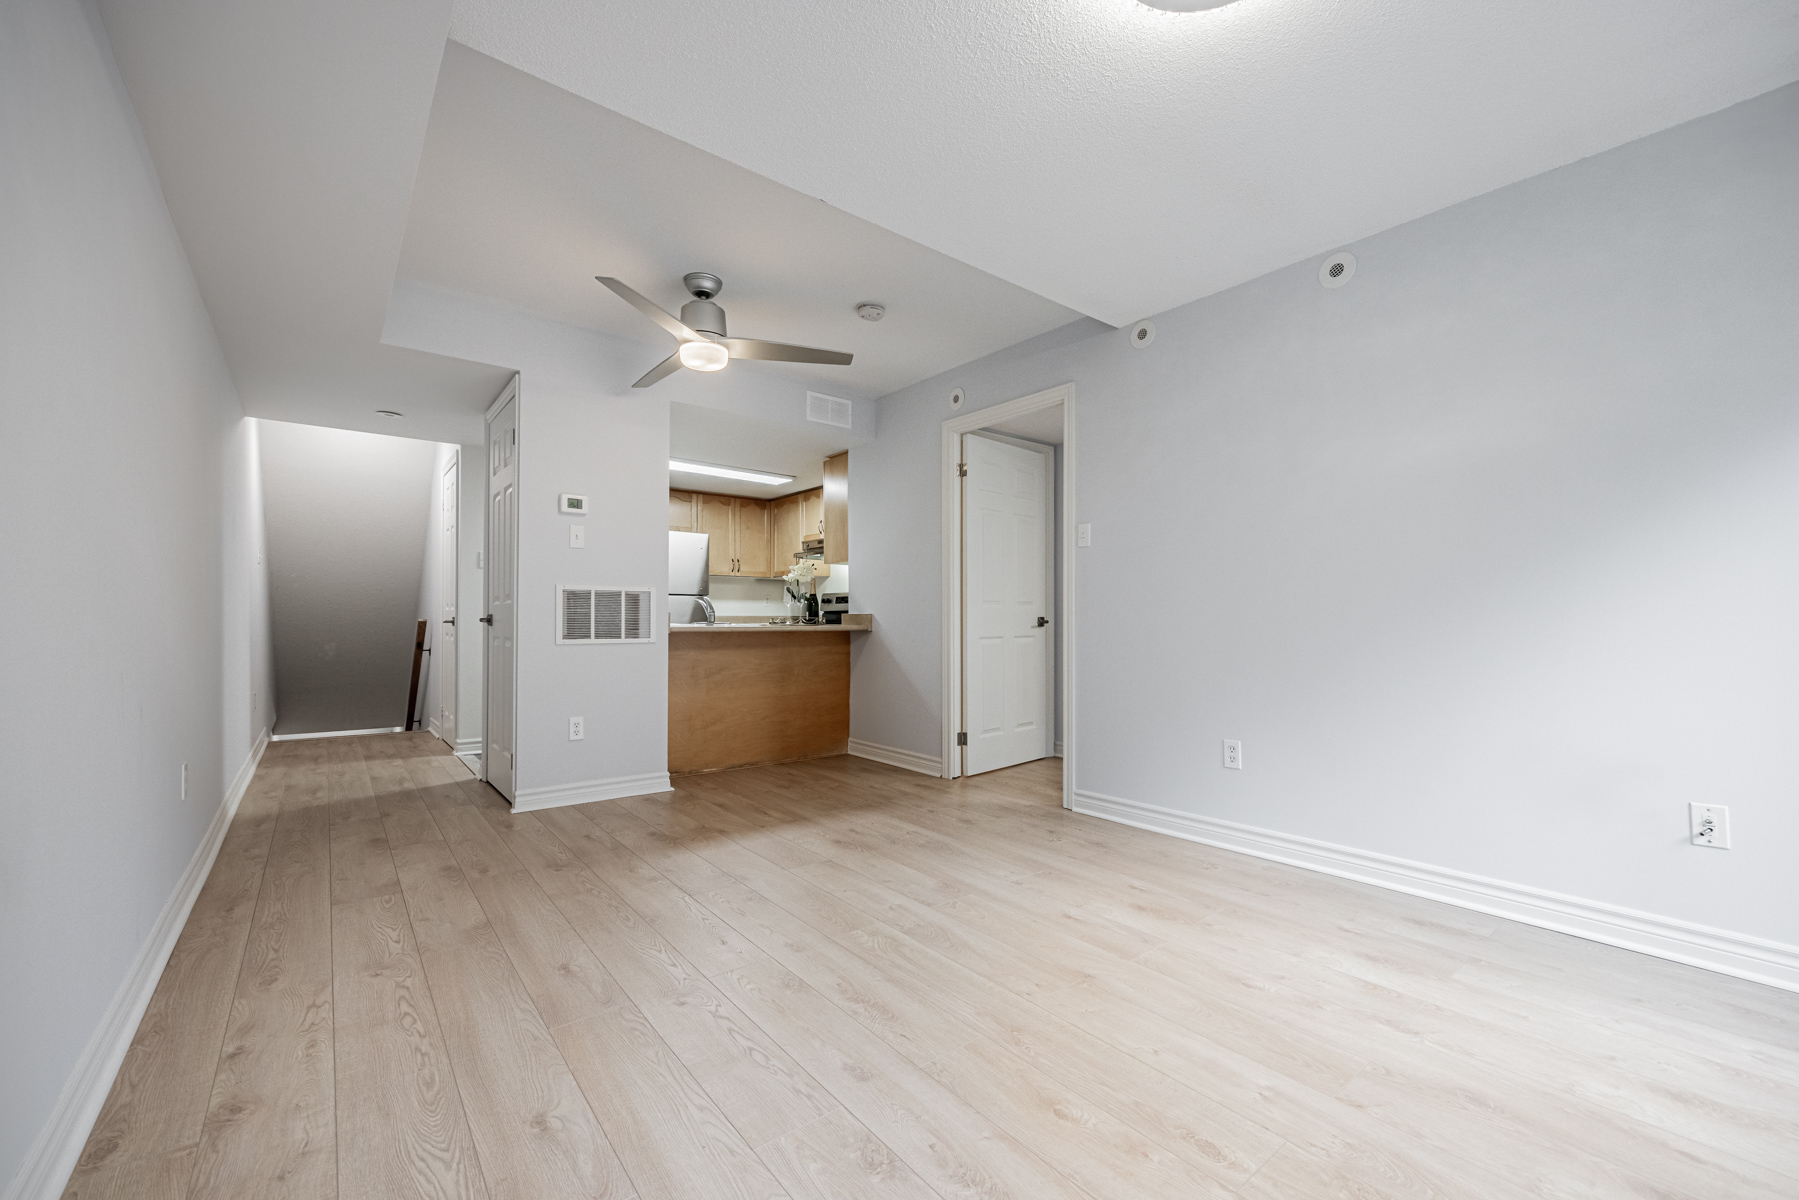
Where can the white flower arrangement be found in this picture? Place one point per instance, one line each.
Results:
(802, 572)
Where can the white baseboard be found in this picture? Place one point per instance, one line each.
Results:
(588, 791)
(1057, 752)
(300, 737)
(893, 756)
(51, 1159)
(1746, 957)
(466, 746)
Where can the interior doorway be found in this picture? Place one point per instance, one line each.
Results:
(1008, 548)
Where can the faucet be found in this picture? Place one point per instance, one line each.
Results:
(711, 613)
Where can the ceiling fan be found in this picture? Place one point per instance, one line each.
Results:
(701, 333)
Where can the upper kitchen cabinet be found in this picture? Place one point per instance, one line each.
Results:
(684, 511)
(740, 533)
(837, 508)
(751, 535)
(795, 520)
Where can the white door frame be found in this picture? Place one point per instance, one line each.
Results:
(953, 429)
(450, 566)
(507, 394)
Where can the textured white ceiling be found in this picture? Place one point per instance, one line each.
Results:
(1121, 160)
(525, 192)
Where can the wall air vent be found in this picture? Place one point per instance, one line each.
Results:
(591, 616)
(827, 410)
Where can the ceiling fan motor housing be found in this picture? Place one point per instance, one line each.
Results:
(704, 316)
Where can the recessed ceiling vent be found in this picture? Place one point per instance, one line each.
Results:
(589, 616)
(827, 410)
(1336, 270)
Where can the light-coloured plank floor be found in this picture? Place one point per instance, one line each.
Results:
(835, 980)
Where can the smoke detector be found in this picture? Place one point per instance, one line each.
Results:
(955, 398)
(871, 312)
(1143, 333)
(1336, 270)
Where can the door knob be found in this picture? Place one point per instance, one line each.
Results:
(450, 621)
(487, 620)
(1042, 621)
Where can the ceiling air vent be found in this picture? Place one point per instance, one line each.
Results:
(827, 410)
(604, 615)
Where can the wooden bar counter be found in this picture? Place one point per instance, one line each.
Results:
(745, 694)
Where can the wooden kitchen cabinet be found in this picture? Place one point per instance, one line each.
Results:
(716, 518)
(837, 508)
(739, 528)
(751, 536)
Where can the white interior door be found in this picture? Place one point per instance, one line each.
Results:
(443, 659)
(1008, 514)
(500, 577)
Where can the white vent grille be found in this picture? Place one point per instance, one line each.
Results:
(827, 410)
(593, 615)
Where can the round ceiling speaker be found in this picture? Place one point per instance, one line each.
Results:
(1143, 333)
(1337, 270)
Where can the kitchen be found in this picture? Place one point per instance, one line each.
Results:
(760, 625)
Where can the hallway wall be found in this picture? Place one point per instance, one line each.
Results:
(348, 518)
(133, 584)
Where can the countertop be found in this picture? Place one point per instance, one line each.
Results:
(852, 623)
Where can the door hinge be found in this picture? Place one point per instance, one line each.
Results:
(961, 470)
(961, 739)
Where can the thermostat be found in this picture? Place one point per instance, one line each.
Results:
(574, 504)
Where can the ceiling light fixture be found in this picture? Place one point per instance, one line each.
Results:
(1183, 6)
(703, 356)
(694, 468)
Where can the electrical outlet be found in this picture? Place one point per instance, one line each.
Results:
(184, 781)
(1083, 535)
(1711, 825)
(1233, 755)
(577, 728)
(577, 536)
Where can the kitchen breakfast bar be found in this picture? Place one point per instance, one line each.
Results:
(742, 693)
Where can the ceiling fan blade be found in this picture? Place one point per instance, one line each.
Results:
(660, 371)
(643, 305)
(782, 352)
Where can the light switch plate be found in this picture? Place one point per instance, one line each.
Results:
(577, 536)
(1083, 535)
(1710, 825)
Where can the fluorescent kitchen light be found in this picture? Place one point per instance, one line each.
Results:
(693, 468)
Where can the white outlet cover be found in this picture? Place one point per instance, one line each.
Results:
(1233, 755)
(577, 728)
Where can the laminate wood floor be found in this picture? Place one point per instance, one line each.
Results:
(837, 980)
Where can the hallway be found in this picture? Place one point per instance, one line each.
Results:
(839, 979)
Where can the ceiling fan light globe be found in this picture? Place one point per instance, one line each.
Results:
(703, 356)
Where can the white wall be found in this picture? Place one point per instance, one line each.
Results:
(131, 539)
(348, 515)
(583, 429)
(1489, 557)
(471, 661)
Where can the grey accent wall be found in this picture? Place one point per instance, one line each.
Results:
(132, 584)
(348, 515)
(1490, 558)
